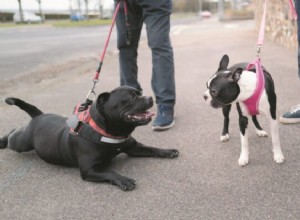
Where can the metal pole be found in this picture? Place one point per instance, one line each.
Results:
(221, 9)
(200, 9)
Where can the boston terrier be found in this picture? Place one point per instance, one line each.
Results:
(240, 84)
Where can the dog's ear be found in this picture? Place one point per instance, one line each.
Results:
(224, 62)
(237, 74)
(102, 98)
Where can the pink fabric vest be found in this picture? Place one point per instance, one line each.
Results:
(253, 102)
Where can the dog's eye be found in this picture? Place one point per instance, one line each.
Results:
(213, 92)
(133, 95)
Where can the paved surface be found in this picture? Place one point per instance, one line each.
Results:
(204, 182)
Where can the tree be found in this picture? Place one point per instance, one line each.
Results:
(79, 6)
(40, 10)
(21, 11)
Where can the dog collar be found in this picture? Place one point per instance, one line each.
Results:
(81, 123)
(253, 102)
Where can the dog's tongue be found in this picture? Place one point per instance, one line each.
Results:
(148, 114)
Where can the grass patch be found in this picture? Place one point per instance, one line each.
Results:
(60, 23)
(68, 23)
(12, 25)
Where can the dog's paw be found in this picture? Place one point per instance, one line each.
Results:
(172, 153)
(125, 183)
(278, 158)
(261, 133)
(243, 160)
(224, 138)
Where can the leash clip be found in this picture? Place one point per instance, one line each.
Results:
(91, 93)
(258, 50)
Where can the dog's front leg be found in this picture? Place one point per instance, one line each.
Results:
(139, 150)
(97, 174)
(225, 132)
(244, 156)
(243, 123)
(278, 155)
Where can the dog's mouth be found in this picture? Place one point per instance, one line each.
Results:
(139, 118)
(216, 105)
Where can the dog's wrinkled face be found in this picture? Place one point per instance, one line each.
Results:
(222, 88)
(125, 106)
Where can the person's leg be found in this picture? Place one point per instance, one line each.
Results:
(128, 53)
(293, 116)
(156, 15)
(297, 7)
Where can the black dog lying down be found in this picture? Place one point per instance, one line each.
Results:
(92, 145)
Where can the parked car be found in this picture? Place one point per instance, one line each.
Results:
(77, 17)
(28, 17)
(205, 14)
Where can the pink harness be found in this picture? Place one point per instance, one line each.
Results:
(253, 102)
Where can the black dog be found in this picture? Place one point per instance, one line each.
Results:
(96, 136)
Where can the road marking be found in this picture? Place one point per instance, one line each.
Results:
(176, 30)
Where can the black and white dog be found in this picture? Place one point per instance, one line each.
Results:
(236, 85)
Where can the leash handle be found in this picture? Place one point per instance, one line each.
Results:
(261, 36)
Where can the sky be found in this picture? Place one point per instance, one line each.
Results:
(46, 4)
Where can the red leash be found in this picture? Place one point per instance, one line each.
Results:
(96, 77)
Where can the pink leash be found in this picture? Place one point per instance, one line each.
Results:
(253, 102)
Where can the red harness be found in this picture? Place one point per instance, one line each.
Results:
(81, 123)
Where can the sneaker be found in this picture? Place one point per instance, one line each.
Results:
(292, 116)
(164, 119)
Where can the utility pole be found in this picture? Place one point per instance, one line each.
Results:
(40, 10)
(79, 6)
(221, 9)
(200, 9)
(70, 7)
(21, 11)
(100, 9)
(86, 9)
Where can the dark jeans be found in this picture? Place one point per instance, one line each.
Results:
(156, 15)
(297, 7)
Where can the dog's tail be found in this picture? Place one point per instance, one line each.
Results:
(30, 109)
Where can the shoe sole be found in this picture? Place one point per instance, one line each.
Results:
(289, 120)
(162, 128)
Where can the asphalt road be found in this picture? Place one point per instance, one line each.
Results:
(30, 48)
(24, 49)
(204, 182)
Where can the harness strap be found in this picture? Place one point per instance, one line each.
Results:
(253, 102)
(82, 124)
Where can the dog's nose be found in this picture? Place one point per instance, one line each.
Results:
(205, 97)
(150, 100)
